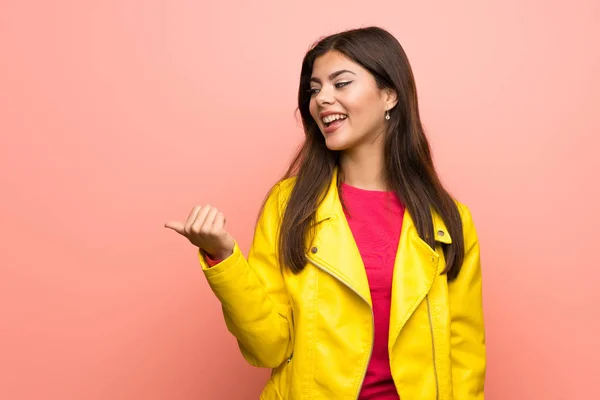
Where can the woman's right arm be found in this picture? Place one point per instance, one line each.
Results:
(252, 292)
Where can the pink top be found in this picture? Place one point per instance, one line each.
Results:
(375, 219)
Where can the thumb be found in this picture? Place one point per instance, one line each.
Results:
(178, 227)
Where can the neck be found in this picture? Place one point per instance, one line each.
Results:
(364, 168)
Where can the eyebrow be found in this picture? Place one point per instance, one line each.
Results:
(332, 76)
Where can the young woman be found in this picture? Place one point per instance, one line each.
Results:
(363, 280)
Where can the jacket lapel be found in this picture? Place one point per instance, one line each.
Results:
(414, 272)
(334, 249)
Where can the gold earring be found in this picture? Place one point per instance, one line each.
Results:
(387, 115)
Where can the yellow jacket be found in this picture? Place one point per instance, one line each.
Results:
(315, 329)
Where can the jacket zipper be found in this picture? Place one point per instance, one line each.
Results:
(372, 320)
(437, 387)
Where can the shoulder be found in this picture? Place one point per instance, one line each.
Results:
(286, 185)
(463, 209)
(278, 195)
(283, 189)
(468, 225)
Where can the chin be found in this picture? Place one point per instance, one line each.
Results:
(335, 144)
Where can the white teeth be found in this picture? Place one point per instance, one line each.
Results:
(330, 118)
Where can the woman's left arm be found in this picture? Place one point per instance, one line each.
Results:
(468, 351)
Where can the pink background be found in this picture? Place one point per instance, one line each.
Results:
(118, 116)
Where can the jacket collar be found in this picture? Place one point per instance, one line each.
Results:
(331, 208)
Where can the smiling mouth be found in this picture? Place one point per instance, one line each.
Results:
(331, 119)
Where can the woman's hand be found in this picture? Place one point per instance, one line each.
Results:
(205, 228)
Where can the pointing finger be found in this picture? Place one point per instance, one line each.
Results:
(177, 226)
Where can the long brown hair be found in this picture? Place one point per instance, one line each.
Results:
(409, 168)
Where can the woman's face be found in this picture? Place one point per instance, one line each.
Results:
(346, 102)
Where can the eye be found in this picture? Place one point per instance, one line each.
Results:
(340, 85)
(313, 91)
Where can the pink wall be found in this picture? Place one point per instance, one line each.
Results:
(117, 116)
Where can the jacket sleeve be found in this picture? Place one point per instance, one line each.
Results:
(253, 295)
(468, 351)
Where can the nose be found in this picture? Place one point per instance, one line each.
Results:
(324, 97)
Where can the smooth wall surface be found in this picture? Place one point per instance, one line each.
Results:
(116, 116)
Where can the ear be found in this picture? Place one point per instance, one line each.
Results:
(390, 98)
